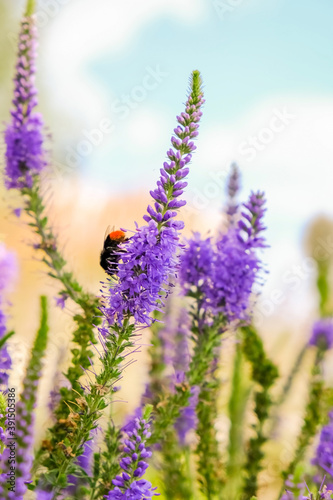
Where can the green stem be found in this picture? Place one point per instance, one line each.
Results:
(207, 341)
(237, 406)
(324, 288)
(286, 388)
(30, 9)
(209, 460)
(312, 418)
(176, 480)
(90, 405)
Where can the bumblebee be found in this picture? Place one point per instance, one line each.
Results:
(110, 255)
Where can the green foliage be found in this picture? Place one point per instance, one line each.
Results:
(237, 406)
(263, 373)
(314, 414)
(177, 483)
(106, 464)
(70, 434)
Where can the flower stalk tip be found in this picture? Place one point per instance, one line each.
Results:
(30, 9)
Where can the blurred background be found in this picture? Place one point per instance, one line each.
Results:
(112, 76)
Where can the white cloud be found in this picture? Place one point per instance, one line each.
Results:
(295, 170)
(82, 29)
(146, 127)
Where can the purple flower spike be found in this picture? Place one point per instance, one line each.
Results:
(322, 334)
(149, 257)
(128, 485)
(251, 223)
(196, 263)
(169, 187)
(221, 275)
(25, 155)
(324, 454)
(234, 274)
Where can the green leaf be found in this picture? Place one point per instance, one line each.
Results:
(5, 338)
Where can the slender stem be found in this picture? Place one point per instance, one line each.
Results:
(30, 9)
(286, 389)
(312, 418)
(237, 406)
(264, 373)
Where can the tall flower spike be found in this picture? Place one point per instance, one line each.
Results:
(25, 155)
(251, 224)
(150, 256)
(221, 276)
(233, 187)
(128, 485)
(20, 440)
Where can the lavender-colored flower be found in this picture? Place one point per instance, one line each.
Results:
(84, 462)
(19, 441)
(324, 453)
(8, 269)
(21, 448)
(138, 490)
(197, 264)
(233, 187)
(61, 300)
(44, 495)
(234, 274)
(221, 276)
(25, 155)
(322, 334)
(150, 254)
(143, 274)
(251, 223)
(322, 494)
(188, 420)
(128, 485)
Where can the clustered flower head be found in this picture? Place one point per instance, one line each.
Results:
(24, 135)
(221, 275)
(322, 334)
(150, 257)
(129, 484)
(324, 453)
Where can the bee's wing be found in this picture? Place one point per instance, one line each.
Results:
(108, 231)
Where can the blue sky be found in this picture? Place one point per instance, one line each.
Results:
(249, 55)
